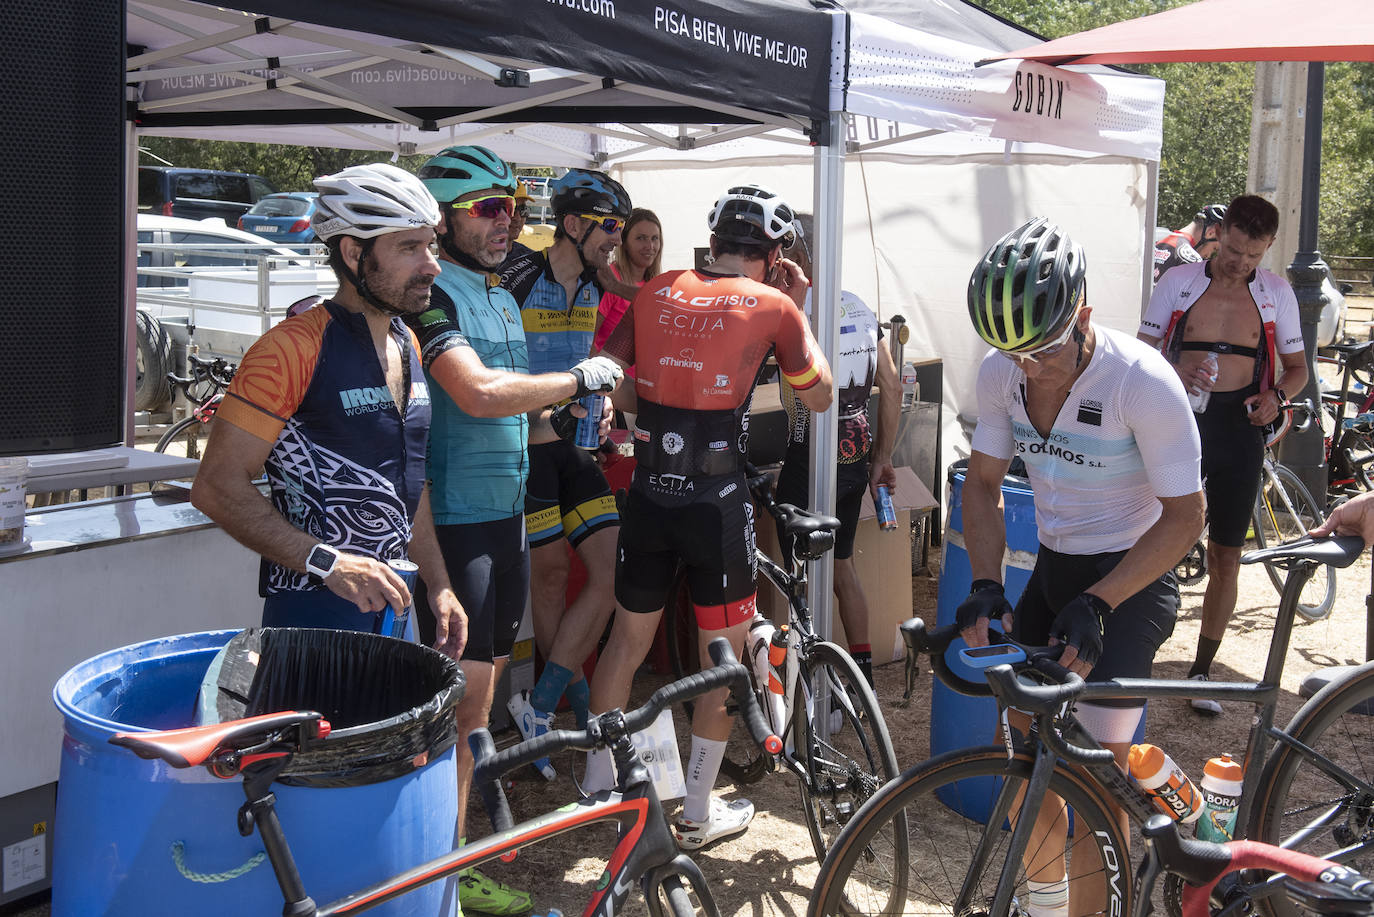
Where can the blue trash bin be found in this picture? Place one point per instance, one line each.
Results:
(137, 837)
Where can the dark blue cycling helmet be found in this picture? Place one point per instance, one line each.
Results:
(589, 191)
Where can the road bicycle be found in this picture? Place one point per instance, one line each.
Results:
(1236, 875)
(204, 387)
(261, 748)
(1284, 510)
(1308, 786)
(1348, 428)
(837, 742)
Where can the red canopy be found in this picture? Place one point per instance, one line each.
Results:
(1223, 30)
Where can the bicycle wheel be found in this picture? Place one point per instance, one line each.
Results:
(188, 435)
(1285, 510)
(1299, 804)
(844, 769)
(860, 875)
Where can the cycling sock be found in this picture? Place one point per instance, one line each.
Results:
(703, 764)
(579, 697)
(863, 658)
(1048, 899)
(1206, 652)
(550, 687)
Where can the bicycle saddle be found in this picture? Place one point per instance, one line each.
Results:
(800, 522)
(1336, 550)
(195, 745)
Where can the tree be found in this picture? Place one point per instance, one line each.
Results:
(288, 168)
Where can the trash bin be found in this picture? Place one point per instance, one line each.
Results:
(139, 837)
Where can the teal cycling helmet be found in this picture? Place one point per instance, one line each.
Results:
(460, 170)
(588, 191)
(1027, 286)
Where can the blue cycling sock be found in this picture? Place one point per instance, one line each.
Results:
(550, 687)
(579, 696)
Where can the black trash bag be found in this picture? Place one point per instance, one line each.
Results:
(390, 703)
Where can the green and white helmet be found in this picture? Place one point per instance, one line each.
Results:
(1027, 286)
(459, 170)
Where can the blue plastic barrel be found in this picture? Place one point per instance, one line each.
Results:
(136, 837)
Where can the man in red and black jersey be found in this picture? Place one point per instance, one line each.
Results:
(697, 340)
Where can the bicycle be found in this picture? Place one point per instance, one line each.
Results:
(1227, 874)
(1350, 441)
(260, 749)
(1306, 785)
(1284, 510)
(204, 387)
(838, 746)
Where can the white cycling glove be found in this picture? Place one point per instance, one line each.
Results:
(596, 374)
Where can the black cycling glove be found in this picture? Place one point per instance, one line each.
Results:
(563, 421)
(986, 599)
(1080, 624)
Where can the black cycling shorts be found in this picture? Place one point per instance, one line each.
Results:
(707, 523)
(489, 568)
(1132, 633)
(567, 495)
(851, 483)
(1232, 459)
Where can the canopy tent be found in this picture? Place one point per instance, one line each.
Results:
(1222, 30)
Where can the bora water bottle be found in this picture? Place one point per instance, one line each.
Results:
(1221, 782)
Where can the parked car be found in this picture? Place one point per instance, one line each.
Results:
(283, 217)
(195, 194)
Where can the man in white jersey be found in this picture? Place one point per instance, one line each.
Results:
(1103, 425)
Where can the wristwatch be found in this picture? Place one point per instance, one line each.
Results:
(321, 560)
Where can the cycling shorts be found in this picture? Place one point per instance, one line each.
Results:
(488, 566)
(707, 524)
(1232, 458)
(567, 495)
(1132, 633)
(851, 484)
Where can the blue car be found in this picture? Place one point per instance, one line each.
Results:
(282, 218)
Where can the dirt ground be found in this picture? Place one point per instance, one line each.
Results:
(771, 868)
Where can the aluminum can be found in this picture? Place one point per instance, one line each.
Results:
(887, 513)
(589, 428)
(393, 623)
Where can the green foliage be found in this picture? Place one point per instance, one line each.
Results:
(288, 168)
(1345, 224)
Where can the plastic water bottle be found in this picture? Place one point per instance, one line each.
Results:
(1199, 400)
(1173, 793)
(1221, 784)
(761, 637)
(910, 390)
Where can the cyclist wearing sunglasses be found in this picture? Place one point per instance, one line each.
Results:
(475, 359)
(1112, 453)
(697, 340)
(517, 223)
(567, 496)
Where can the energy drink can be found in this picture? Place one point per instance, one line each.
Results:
(887, 514)
(393, 622)
(589, 428)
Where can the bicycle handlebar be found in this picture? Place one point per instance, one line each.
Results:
(604, 729)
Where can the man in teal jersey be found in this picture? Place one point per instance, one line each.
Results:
(474, 355)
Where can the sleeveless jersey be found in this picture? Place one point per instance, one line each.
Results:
(1181, 288)
(559, 336)
(1171, 251)
(477, 465)
(856, 366)
(345, 466)
(1124, 437)
(697, 341)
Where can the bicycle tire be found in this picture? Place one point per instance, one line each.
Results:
(857, 873)
(679, 899)
(1274, 524)
(855, 760)
(1338, 724)
(181, 428)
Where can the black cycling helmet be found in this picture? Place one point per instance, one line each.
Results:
(1210, 216)
(754, 214)
(588, 191)
(1027, 286)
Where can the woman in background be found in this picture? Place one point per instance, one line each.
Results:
(636, 260)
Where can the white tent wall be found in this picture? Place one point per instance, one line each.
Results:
(914, 227)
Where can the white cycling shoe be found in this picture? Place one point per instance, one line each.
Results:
(727, 819)
(1204, 705)
(531, 723)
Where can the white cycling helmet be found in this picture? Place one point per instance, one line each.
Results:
(371, 200)
(753, 213)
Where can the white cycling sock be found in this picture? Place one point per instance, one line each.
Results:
(1048, 899)
(703, 764)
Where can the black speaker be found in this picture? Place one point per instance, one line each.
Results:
(61, 226)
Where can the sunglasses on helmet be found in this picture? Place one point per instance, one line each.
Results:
(609, 225)
(487, 208)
